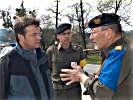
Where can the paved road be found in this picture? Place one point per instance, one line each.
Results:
(85, 97)
(89, 68)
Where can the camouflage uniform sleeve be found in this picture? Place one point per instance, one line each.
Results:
(101, 92)
(49, 54)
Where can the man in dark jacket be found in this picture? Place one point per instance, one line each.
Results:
(24, 71)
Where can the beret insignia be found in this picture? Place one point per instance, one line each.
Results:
(97, 21)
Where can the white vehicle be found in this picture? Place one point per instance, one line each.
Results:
(5, 50)
(7, 41)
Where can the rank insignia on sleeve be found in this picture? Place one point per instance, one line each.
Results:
(118, 47)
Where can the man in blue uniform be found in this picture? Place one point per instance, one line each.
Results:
(24, 71)
(113, 82)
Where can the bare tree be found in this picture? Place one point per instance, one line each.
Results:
(120, 7)
(33, 13)
(55, 12)
(47, 21)
(6, 16)
(74, 14)
(23, 12)
(77, 15)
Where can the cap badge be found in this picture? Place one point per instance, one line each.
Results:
(97, 21)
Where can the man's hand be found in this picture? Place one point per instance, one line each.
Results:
(71, 75)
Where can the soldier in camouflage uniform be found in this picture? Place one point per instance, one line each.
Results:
(114, 80)
(61, 56)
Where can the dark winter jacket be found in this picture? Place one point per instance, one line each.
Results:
(18, 80)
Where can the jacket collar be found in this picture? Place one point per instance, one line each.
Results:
(119, 42)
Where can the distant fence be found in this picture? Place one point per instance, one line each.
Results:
(92, 51)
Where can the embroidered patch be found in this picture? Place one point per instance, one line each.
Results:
(118, 47)
(97, 21)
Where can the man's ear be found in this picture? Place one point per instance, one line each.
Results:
(109, 34)
(20, 37)
(57, 36)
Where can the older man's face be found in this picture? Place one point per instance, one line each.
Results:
(100, 37)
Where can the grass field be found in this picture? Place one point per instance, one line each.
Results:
(93, 59)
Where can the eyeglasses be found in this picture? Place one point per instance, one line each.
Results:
(96, 32)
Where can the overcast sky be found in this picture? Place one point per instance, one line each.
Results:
(40, 5)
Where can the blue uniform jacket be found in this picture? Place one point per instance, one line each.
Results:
(111, 69)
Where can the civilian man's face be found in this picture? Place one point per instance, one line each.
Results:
(32, 38)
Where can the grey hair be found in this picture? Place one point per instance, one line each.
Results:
(115, 27)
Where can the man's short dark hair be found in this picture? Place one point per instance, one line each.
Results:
(19, 27)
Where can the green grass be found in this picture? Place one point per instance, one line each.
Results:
(93, 59)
